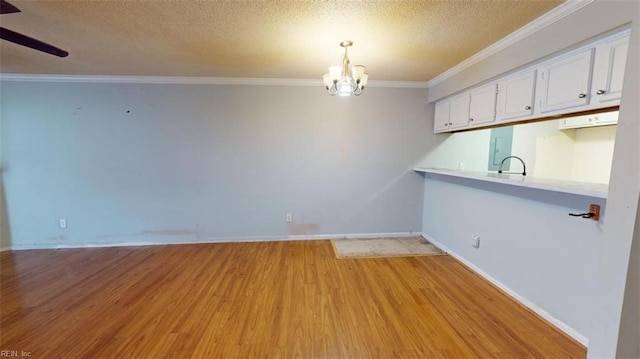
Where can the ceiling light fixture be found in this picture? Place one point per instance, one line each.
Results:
(345, 80)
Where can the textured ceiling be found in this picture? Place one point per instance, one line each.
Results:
(402, 41)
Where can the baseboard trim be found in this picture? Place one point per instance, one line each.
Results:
(562, 326)
(302, 237)
(4, 249)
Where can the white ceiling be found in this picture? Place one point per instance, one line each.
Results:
(399, 41)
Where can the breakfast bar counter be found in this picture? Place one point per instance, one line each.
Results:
(597, 190)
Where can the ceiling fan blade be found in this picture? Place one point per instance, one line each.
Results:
(27, 41)
(6, 8)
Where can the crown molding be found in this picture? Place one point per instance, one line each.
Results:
(398, 84)
(186, 80)
(534, 26)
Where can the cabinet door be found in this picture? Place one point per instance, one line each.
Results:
(482, 108)
(459, 117)
(566, 82)
(442, 116)
(608, 71)
(515, 96)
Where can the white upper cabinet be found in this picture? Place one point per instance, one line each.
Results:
(565, 83)
(452, 113)
(516, 96)
(442, 116)
(482, 106)
(608, 71)
(472, 108)
(585, 79)
(459, 111)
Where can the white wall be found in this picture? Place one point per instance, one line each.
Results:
(593, 154)
(614, 297)
(547, 151)
(127, 163)
(581, 154)
(528, 242)
(468, 148)
(605, 302)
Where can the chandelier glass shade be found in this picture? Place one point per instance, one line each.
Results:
(345, 80)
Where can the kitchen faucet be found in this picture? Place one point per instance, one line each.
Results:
(524, 167)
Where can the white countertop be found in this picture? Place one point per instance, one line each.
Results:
(597, 190)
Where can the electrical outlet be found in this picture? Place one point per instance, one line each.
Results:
(595, 209)
(475, 241)
(289, 218)
(62, 222)
(461, 166)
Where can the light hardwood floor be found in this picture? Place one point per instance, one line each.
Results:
(271, 299)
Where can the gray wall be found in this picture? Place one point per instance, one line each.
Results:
(5, 242)
(136, 163)
(612, 263)
(628, 343)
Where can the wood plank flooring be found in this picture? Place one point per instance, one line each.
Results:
(270, 299)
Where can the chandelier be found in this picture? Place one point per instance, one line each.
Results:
(345, 80)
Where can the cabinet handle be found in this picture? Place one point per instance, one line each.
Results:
(471, 119)
(582, 95)
(450, 123)
(600, 92)
(446, 124)
(527, 107)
